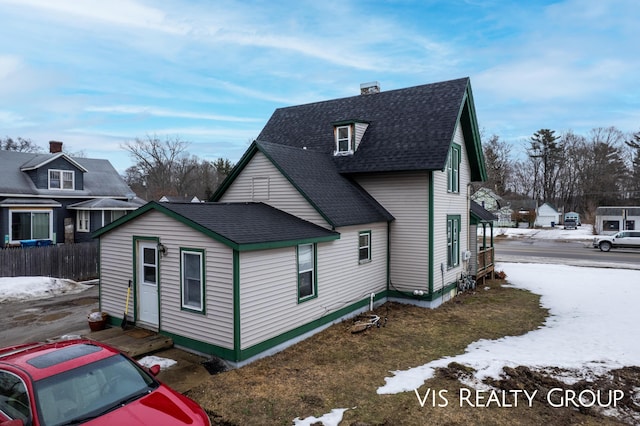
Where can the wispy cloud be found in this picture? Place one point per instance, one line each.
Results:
(160, 112)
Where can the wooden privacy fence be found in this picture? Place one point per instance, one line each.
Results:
(77, 262)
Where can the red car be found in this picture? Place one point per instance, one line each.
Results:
(85, 382)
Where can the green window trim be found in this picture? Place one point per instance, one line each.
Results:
(192, 281)
(307, 259)
(453, 240)
(364, 246)
(453, 168)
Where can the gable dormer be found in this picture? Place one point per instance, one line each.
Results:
(57, 172)
(348, 135)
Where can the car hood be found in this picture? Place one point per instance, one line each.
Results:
(161, 407)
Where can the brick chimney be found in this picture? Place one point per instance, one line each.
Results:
(370, 88)
(55, 147)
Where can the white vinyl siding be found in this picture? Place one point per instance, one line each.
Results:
(450, 204)
(269, 283)
(282, 194)
(116, 268)
(406, 197)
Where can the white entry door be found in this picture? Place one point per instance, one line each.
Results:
(148, 282)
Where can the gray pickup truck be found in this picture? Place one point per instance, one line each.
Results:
(623, 239)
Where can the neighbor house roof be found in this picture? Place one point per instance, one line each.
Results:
(408, 129)
(99, 180)
(339, 200)
(241, 226)
(106, 204)
(480, 213)
(618, 210)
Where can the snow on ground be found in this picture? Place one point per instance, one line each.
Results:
(591, 327)
(32, 288)
(583, 232)
(151, 360)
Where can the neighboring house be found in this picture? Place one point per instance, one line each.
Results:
(44, 195)
(495, 204)
(336, 206)
(523, 212)
(610, 220)
(179, 199)
(572, 216)
(547, 215)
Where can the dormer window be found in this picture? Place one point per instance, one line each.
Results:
(344, 140)
(61, 179)
(348, 135)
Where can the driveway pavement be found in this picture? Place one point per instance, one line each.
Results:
(38, 320)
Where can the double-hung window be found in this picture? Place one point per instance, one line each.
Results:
(82, 220)
(306, 272)
(453, 169)
(192, 279)
(61, 179)
(364, 246)
(453, 241)
(344, 140)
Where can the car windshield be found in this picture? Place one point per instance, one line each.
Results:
(90, 390)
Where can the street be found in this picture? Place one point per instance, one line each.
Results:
(579, 253)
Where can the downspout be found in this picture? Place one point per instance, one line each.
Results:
(431, 234)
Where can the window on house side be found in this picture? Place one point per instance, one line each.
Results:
(30, 225)
(453, 241)
(453, 169)
(344, 143)
(306, 272)
(82, 221)
(61, 179)
(364, 246)
(192, 267)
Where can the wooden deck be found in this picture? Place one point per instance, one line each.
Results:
(135, 342)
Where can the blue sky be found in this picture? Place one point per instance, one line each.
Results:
(96, 74)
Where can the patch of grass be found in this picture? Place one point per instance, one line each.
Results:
(339, 369)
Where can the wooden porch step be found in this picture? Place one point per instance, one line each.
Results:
(134, 342)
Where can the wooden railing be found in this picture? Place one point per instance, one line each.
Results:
(486, 259)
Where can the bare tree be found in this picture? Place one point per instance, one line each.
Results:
(19, 144)
(156, 161)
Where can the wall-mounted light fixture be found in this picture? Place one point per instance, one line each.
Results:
(162, 249)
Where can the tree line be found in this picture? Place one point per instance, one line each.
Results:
(161, 167)
(571, 171)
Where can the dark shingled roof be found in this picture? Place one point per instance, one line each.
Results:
(480, 212)
(338, 199)
(237, 224)
(409, 129)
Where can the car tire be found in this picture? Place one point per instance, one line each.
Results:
(605, 246)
